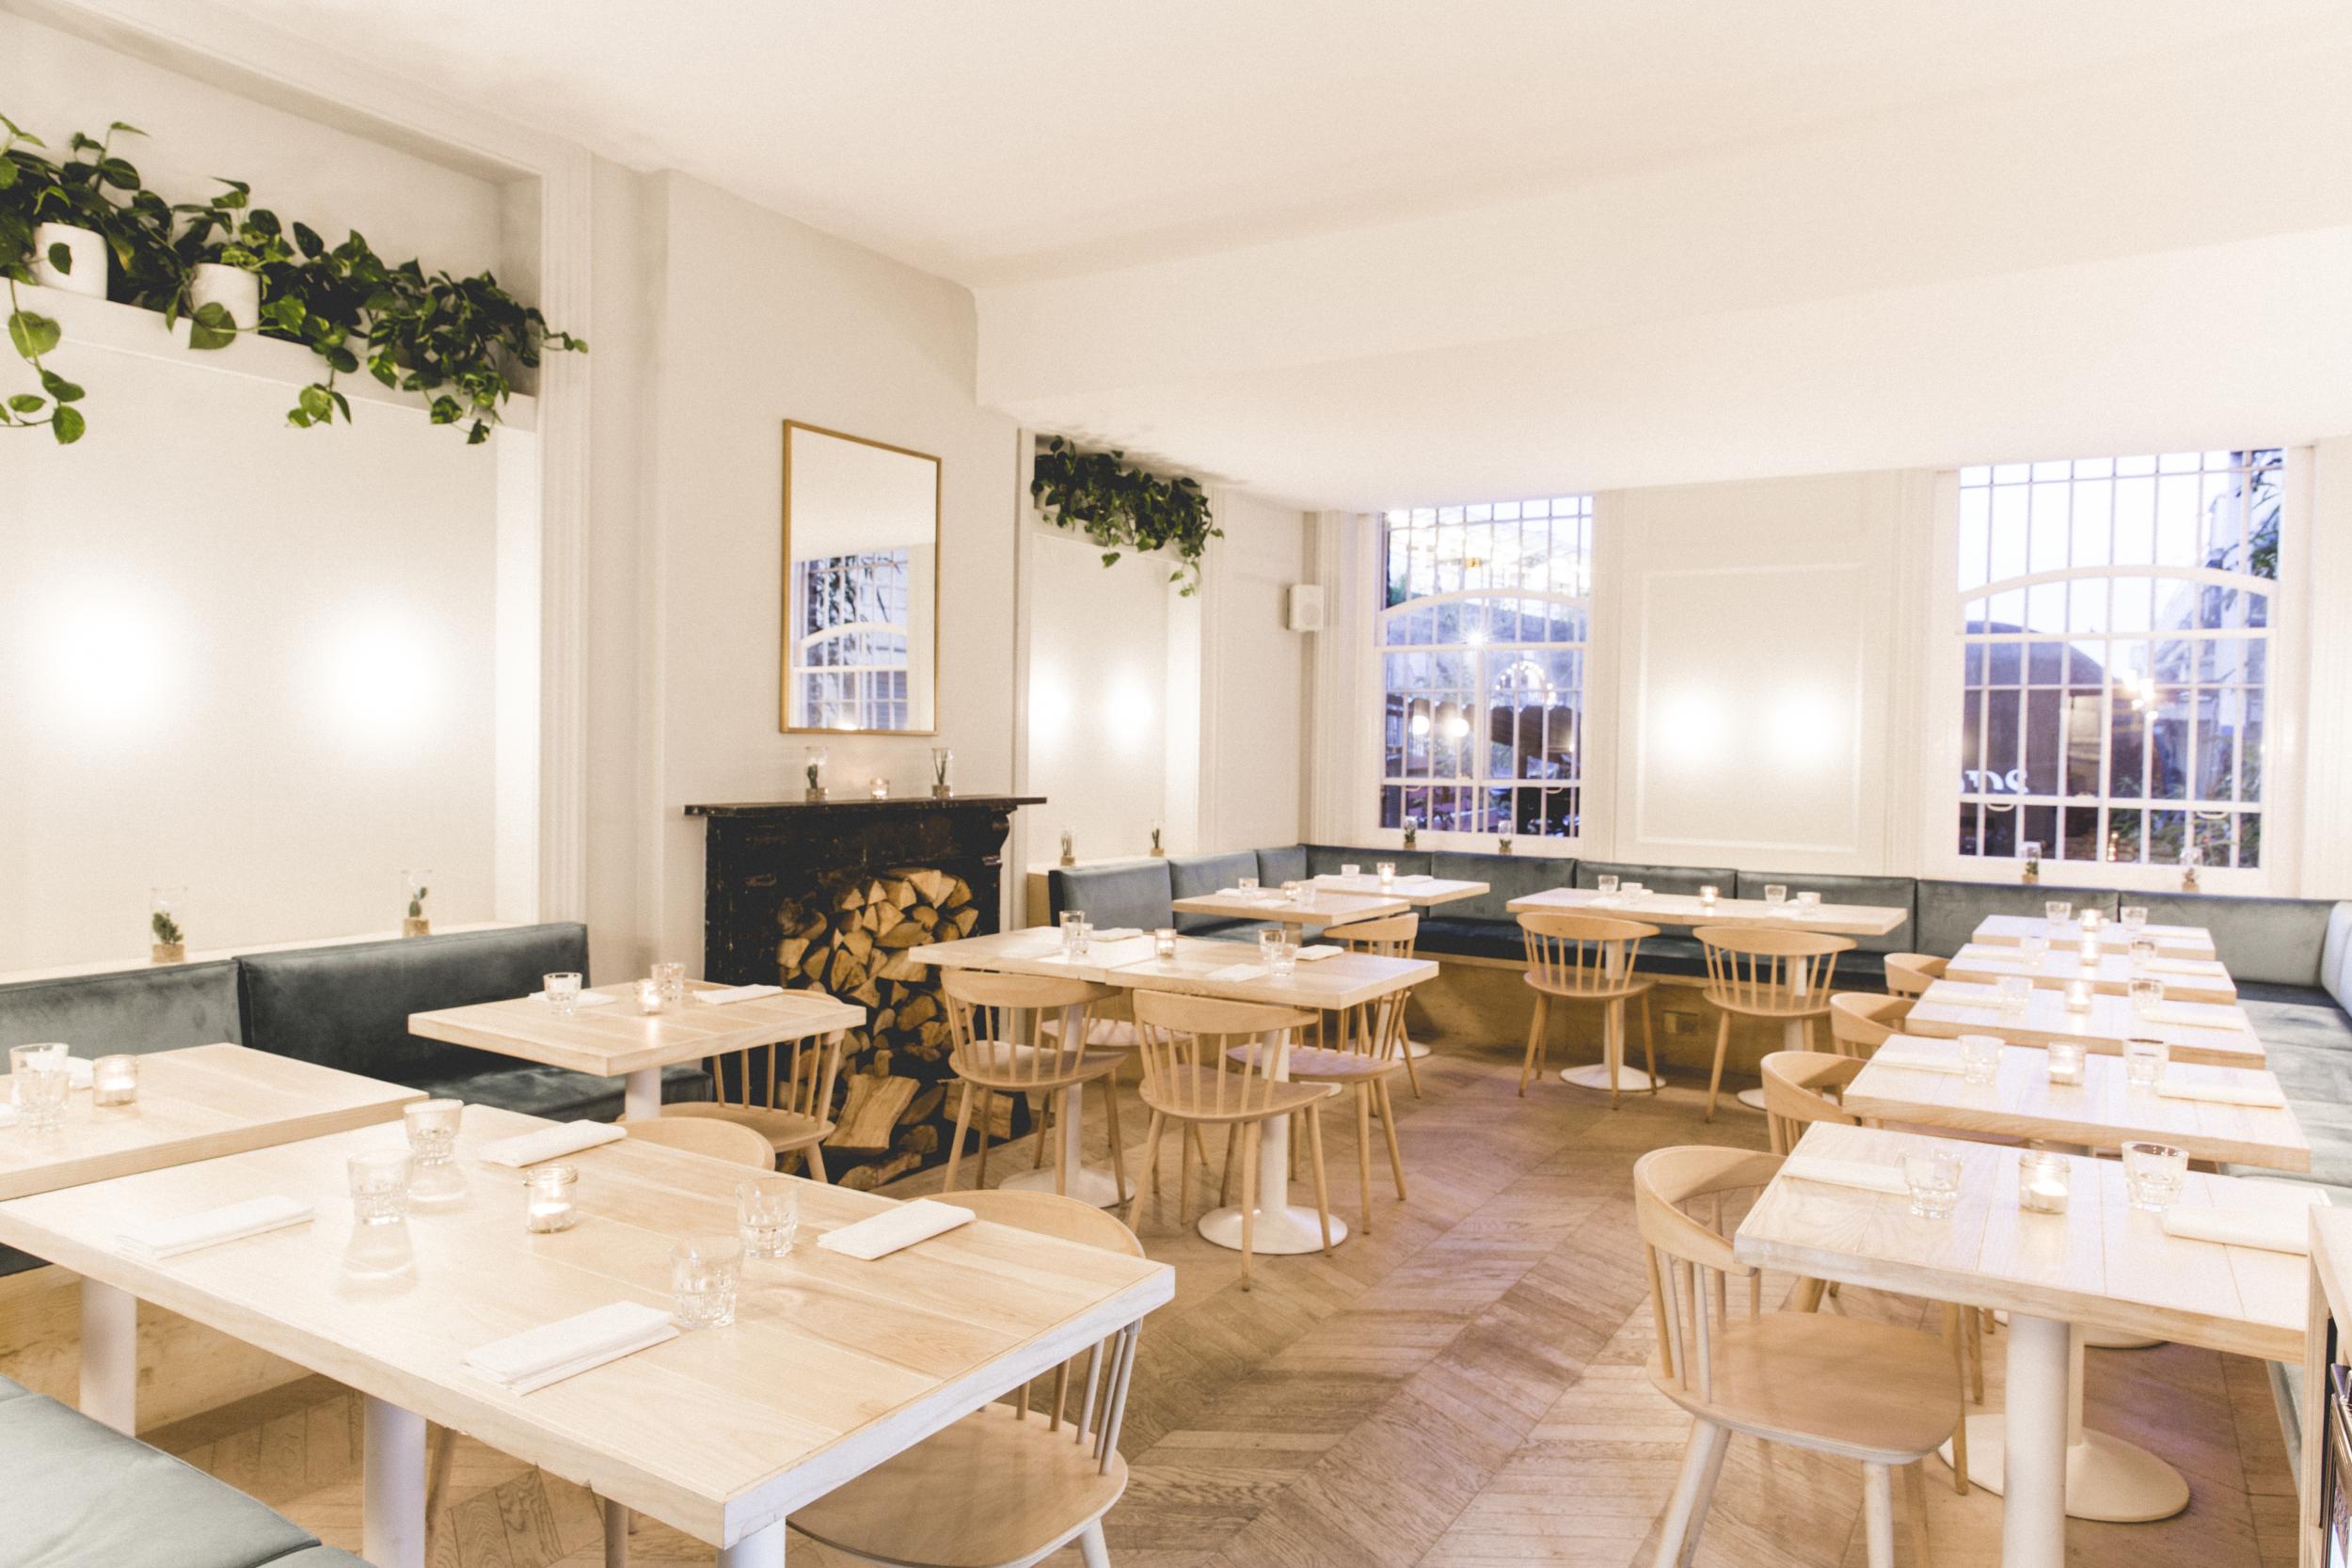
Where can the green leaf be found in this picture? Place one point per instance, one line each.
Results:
(341, 402)
(119, 173)
(212, 326)
(315, 402)
(61, 257)
(60, 387)
(297, 419)
(7, 173)
(120, 125)
(27, 403)
(33, 336)
(308, 238)
(67, 425)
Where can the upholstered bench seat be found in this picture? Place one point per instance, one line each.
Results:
(559, 1094)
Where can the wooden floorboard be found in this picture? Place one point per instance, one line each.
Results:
(1460, 1387)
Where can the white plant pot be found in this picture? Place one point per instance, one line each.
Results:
(88, 249)
(234, 287)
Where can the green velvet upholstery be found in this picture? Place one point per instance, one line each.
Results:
(1134, 895)
(1950, 912)
(2274, 942)
(1285, 863)
(1659, 878)
(537, 1090)
(2335, 959)
(1324, 859)
(1196, 876)
(1885, 893)
(1507, 877)
(134, 1010)
(1444, 935)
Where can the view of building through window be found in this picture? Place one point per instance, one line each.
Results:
(1481, 635)
(851, 615)
(2116, 626)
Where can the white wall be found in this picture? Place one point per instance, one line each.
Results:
(1253, 679)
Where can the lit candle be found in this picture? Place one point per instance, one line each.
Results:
(2041, 1186)
(115, 1081)
(2066, 1061)
(2088, 953)
(2078, 996)
(880, 788)
(547, 1198)
(1707, 898)
(1387, 870)
(1164, 944)
(650, 998)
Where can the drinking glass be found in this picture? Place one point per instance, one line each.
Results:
(548, 1204)
(2140, 951)
(1351, 870)
(1979, 1058)
(2065, 1061)
(1606, 884)
(38, 1085)
(1932, 1173)
(2147, 996)
(2143, 1062)
(2016, 995)
(379, 1185)
(2033, 950)
(704, 1273)
(1291, 890)
(1808, 902)
(2059, 910)
(432, 1129)
(2042, 1181)
(672, 978)
(115, 1081)
(1776, 894)
(767, 1215)
(1164, 944)
(1074, 932)
(1248, 884)
(2152, 1175)
(562, 992)
(2134, 916)
(1285, 956)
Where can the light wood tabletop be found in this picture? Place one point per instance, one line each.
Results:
(1686, 910)
(831, 1365)
(1313, 909)
(617, 1040)
(1202, 967)
(2007, 931)
(194, 1103)
(2110, 973)
(2104, 1111)
(1420, 891)
(2219, 1036)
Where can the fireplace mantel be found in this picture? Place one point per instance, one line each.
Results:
(1000, 803)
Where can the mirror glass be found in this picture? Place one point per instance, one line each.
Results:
(861, 583)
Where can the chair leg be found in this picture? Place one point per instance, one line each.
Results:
(1535, 1041)
(1295, 1141)
(1649, 1044)
(1248, 1133)
(1322, 1189)
(1916, 1504)
(816, 1164)
(1878, 1515)
(1388, 1125)
(1233, 1152)
(1092, 1550)
(620, 1523)
(1715, 1079)
(1975, 1322)
(988, 1119)
(955, 1150)
(1613, 1045)
(1045, 1112)
(1119, 1149)
(1956, 1320)
(443, 1442)
(1694, 1488)
(1184, 1151)
(1363, 1149)
(1061, 1142)
(1151, 1151)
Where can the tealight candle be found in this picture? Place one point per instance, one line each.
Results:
(2041, 1183)
(2066, 1061)
(650, 997)
(115, 1081)
(2078, 996)
(548, 1204)
(2088, 953)
(1387, 871)
(1164, 944)
(2090, 919)
(1707, 898)
(880, 789)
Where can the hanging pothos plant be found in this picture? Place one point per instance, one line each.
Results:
(1122, 508)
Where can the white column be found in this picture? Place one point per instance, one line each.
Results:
(2033, 1516)
(110, 1356)
(1280, 1228)
(762, 1548)
(392, 1505)
(641, 1097)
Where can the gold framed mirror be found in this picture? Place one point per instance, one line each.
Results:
(860, 585)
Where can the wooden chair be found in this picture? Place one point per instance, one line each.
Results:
(1756, 972)
(1860, 1021)
(1193, 1076)
(782, 1092)
(1007, 1484)
(1867, 1391)
(719, 1140)
(1909, 973)
(1587, 957)
(1001, 1047)
(1391, 937)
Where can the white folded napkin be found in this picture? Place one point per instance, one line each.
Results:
(2185, 966)
(554, 1351)
(159, 1238)
(1919, 1059)
(1320, 950)
(1116, 933)
(2251, 1092)
(1255, 895)
(2187, 1019)
(1845, 1173)
(879, 1235)
(2271, 1230)
(719, 996)
(587, 998)
(549, 1142)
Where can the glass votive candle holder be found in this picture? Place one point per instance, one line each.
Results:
(1931, 1173)
(2152, 1174)
(703, 1273)
(115, 1081)
(2134, 916)
(767, 1215)
(548, 1203)
(2146, 995)
(1776, 894)
(2141, 953)
(1632, 891)
(379, 1185)
(2143, 1062)
(1979, 1058)
(432, 1126)
(2058, 911)
(651, 998)
(672, 977)
(2078, 996)
(2090, 920)
(1248, 884)
(1708, 896)
(563, 993)
(2015, 993)
(1292, 892)
(1808, 901)
(2066, 1061)
(2087, 955)
(1605, 885)
(1164, 944)
(1386, 871)
(38, 1085)
(2044, 1182)
(1351, 870)
(2033, 950)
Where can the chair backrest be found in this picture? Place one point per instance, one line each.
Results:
(1375, 1028)
(1190, 1065)
(719, 1140)
(1389, 937)
(994, 1020)
(1688, 1257)
(1861, 1022)
(1760, 968)
(1909, 973)
(1801, 1087)
(796, 1075)
(1095, 1427)
(1570, 953)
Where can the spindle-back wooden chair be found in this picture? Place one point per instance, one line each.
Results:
(1760, 971)
(1586, 958)
(1000, 1047)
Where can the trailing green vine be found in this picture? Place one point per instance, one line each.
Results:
(1122, 508)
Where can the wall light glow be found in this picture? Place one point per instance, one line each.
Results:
(100, 657)
(379, 678)
(1807, 729)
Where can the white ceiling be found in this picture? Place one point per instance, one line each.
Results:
(1245, 234)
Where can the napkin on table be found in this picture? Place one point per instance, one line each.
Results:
(550, 1143)
(587, 998)
(554, 1351)
(719, 996)
(1115, 933)
(2271, 1230)
(879, 1235)
(2185, 966)
(1320, 950)
(230, 1222)
(2187, 1020)
(2251, 1092)
(1869, 1178)
(1917, 1059)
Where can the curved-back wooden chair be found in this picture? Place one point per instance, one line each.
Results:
(1193, 1075)
(1909, 973)
(1001, 1047)
(782, 1092)
(1861, 1390)
(1389, 937)
(1007, 1484)
(1586, 958)
(1860, 1021)
(719, 1140)
(1766, 972)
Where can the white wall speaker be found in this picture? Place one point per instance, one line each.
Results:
(1306, 607)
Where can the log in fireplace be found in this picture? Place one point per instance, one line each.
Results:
(829, 895)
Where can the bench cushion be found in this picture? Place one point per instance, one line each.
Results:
(1659, 878)
(1197, 875)
(2335, 963)
(2278, 940)
(129, 1010)
(1134, 895)
(1452, 936)
(1324, 859)
(1950, 912)
(1892, 893)
(1507, 877)
(559, 1094)
(1284, 864)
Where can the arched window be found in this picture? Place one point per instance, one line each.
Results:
(2116, 621)
(1481, 636)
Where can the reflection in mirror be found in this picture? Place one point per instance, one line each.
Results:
(861, 594)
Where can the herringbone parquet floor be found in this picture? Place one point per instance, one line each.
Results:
(1461, 1388)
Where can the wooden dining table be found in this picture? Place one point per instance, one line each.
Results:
(1420, 891)
(1204, 967)
(832, 1366)
(2101, 1264)
(1689, 910)
(2109, 973)
(2007, 930)
(1314, 908)
(197, 1102)
(2217, 1036)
